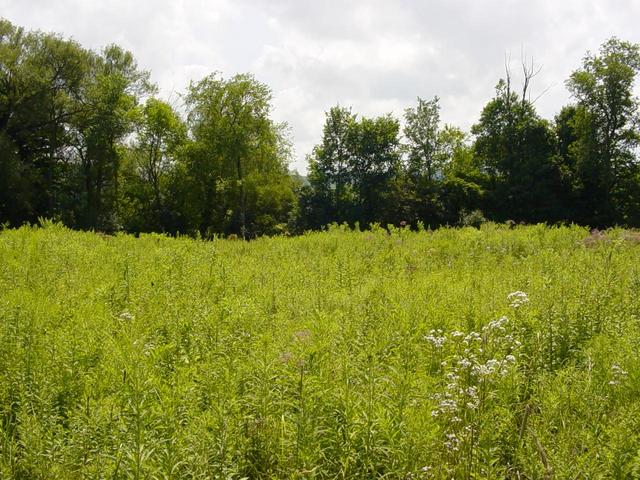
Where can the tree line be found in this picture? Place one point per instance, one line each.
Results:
(85, 140)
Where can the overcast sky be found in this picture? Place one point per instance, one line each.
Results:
(376, 56)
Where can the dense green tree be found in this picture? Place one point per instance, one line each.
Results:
(237, 162)
(422, 173)
(109, 103)
(373, 167)
(422, 125)
(460, 188)
(604, 135)
(40, 81)
(565, 132)
(330, 196)
(352, 172)
(516, 150)
(440, 178)
(82, 141)
(161, 134)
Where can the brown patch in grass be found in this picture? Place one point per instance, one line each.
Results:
(596, 238)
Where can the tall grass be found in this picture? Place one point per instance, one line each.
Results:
(405, 355)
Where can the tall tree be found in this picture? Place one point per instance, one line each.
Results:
(40, 81)
(373, 167)
(440, 181)
(160, 135)
(605, 126)
(109, 102)
(423, 171)
(352, 171)
(422, 124)
(460, 188)
(237, 154)
(516, 151)
(330, 195)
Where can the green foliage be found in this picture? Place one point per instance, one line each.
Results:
(392, 354)
(151, 166)
(475, 218)
(107, 116)
(421, 131)
(360, 175)
(516, 150)
(237, 156)
(41, 77)
(604, 127)
(353, 173)
(330, 196)
(442, 178)
(84, 141)
(78, 144)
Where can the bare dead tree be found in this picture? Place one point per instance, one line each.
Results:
(529, 72)
(507, 73)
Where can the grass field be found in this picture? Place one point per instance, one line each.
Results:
(458, 353)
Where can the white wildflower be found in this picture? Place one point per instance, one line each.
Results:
(472, 337)
(618, 374)
(447, 406)
(496, 324)
(452, 377)
(480, 371)
(464, 363)
(452, 442)
(472, 391)
(436, 338)
(487, 369)
(517, 299)
(492, 363)
(618, 371)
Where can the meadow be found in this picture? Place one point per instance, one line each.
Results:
(458, 353)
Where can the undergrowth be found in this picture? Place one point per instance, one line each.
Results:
(457, 353)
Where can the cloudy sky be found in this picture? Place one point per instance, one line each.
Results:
(376, 56)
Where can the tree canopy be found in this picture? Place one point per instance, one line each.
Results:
(85, 139)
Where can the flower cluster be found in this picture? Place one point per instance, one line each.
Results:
(452, 442)
(436, 338)
(517, 299)
(618, 374)
(474, 365)
(498, 324)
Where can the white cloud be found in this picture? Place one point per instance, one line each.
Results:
(376, 56)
